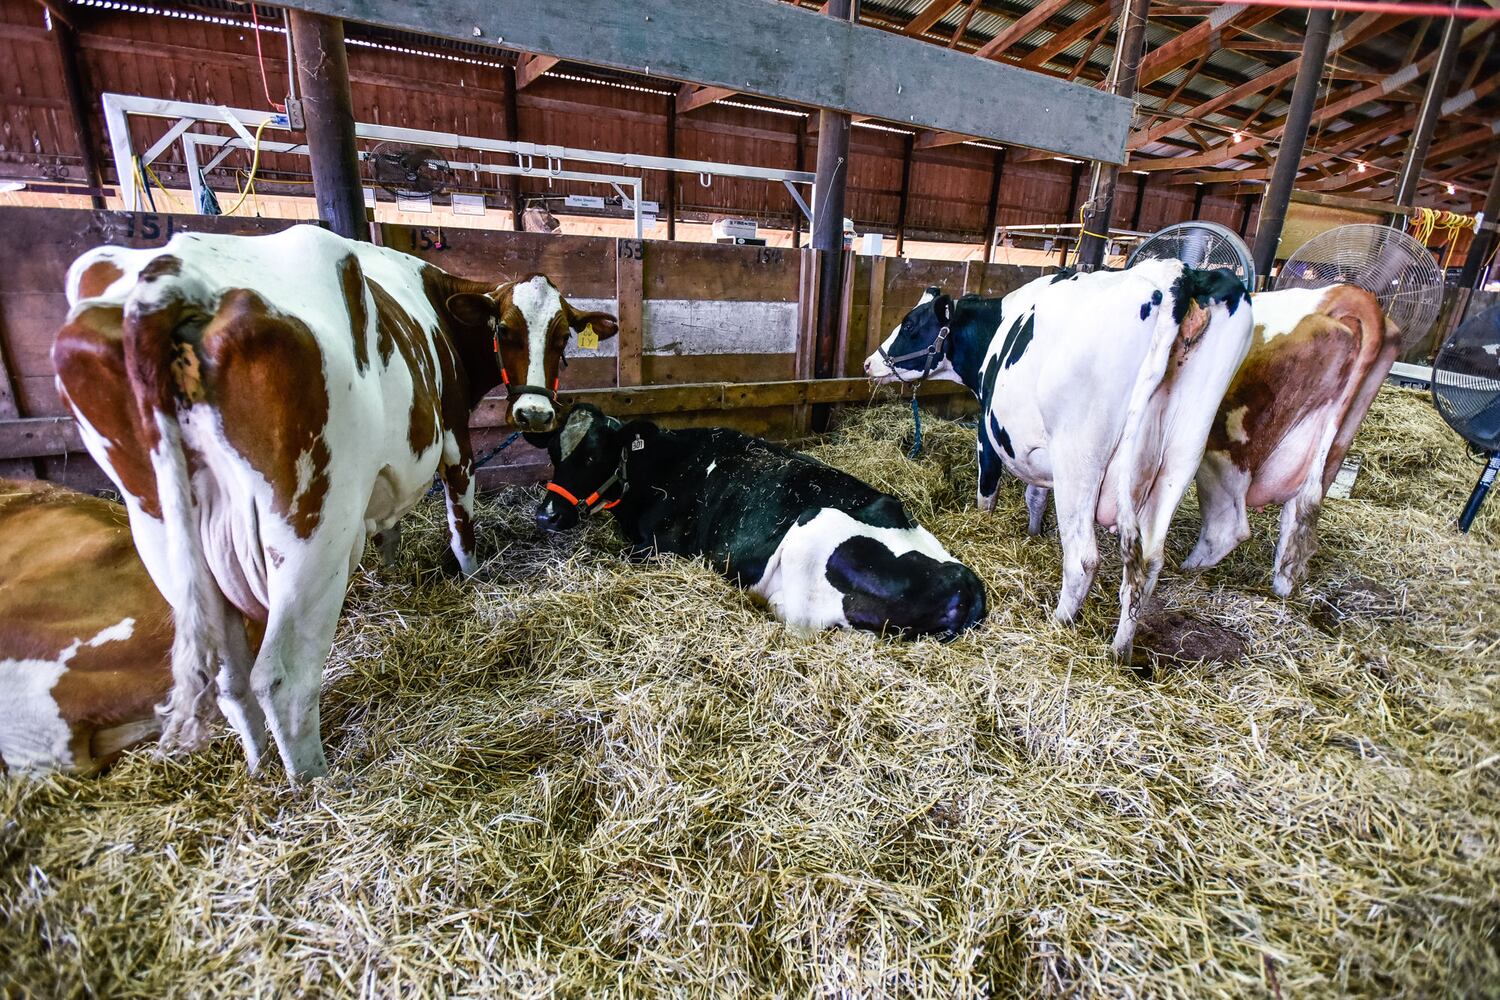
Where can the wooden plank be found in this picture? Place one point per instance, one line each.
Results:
(34, 437)
(807, 311)
(875, 334)
(1020, 28)
(783, 52)
(629, 293)
(927, 17)
(729, 273)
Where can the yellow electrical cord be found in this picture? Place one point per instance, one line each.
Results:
(1082, 229)
(254, 166)
(152, 174)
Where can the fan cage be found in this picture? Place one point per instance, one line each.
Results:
(1198, 244)
(1390, 264)
(1466, 380)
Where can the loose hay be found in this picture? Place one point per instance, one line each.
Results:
(577, 776)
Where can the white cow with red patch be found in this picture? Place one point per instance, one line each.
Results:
(1099, 385)
(1316, 362)
(266, 404)
(85, 638)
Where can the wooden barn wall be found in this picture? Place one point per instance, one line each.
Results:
(708, 334)
(198, 61)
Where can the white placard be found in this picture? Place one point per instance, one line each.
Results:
(584, 201)
(648, 219)
(727, 229)
(468, 204)
(369, 197)
(414, 202)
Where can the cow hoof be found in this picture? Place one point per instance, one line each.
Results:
(1283, 587)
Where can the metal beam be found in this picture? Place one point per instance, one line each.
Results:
(1427, 118)
(1484, 239)
(779, 51)
(1299, 118)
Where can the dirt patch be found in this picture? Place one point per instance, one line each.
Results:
(1179, 636)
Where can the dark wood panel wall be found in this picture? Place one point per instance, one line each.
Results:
(139, 53)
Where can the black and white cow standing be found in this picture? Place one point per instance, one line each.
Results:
(823, 549)
(1100, 385)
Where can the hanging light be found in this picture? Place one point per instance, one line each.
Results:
(1360, 164)
(1449, 188)
(1239, 137)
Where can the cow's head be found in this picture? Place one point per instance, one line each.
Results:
(919, 347)
(587, 454)
(531, 322)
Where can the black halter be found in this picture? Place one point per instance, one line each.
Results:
(933, 353)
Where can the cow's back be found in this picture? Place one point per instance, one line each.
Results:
(85, 637)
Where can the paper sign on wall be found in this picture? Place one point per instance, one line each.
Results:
(468, 204)
(414, 202)
(584, 201)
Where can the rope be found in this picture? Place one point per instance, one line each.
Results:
(254, 166)
(437, 483)
(260, 57)
(916, 419)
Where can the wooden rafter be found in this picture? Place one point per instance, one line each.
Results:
(928, 16)
(529, 68)
(1205, 36)
(1023, 26)
(692, 97)
(1096, 20)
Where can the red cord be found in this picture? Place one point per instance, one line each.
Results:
(1379, 7)
(260, 57)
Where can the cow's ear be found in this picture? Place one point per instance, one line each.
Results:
(605, 325)
(943, 307)
(471, 308)
(638, 434)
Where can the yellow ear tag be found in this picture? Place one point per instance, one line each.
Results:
(588, 340)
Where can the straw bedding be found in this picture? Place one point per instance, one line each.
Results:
(577, 776)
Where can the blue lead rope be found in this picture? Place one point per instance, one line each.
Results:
(437, 482)
(916, 419)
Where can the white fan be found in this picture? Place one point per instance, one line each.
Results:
(1198, 244)
(1390, 264)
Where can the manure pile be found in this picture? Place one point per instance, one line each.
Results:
(575, 776)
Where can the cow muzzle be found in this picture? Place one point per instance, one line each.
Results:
(534, 413)
(553, 517)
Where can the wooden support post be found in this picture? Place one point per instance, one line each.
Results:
(906, 157)
(1098, 210)
(1198, 193)
(513, 134)
(14, 468)
(1245, 214)
(828, 231)
(1140, 200)
(67, 55)
(1427, 118)
(1293, 141)
(630, 291)
(800, 162)
(323, 76)
(671, 201)
(992, 211)
(1069, 215)
(874, 332)
(1484, 240)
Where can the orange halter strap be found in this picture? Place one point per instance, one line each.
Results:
(590, 503)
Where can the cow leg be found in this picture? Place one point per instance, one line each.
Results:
(458, 492)
(1036, 508)
(1299, 535)
(236, 701)
(1076, 488)
(1221, 497)
(306, 596)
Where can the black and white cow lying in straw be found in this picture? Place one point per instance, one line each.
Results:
(1101, 386)
(820, 547)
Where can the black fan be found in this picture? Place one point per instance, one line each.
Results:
(409, 171)
(1466, 388)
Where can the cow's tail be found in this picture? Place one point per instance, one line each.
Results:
(1138, 452)
(161, 330)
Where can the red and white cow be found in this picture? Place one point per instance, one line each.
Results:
(266, 404)
(1099, 385)
(1316, 362)
(85, 638)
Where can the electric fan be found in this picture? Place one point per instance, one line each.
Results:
(409, 171)
(1390, 264)
(1198, 244)
(1466, 389)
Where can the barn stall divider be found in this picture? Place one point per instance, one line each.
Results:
(709, 334)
